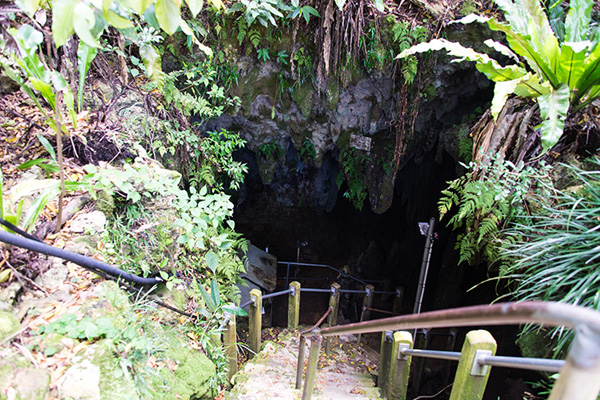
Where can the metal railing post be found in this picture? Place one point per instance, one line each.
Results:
(334, 304)
(398, 300)
(424, 267)
(229, 343)
(421, 342)
(311, 370)
(580, 377)
(287, 275)
(300, 366)
(367, 303)
(471, 377)
(399, 366)
(255, 320)
(293, 306)
(385, 359)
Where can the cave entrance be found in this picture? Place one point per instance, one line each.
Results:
(385, 247)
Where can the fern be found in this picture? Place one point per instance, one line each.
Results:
(485, 198)
(254, 37)
(242, 29)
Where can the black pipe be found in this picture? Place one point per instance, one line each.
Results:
(83, 261)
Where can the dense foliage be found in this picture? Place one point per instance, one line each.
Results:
(561, 74)
(552, 254)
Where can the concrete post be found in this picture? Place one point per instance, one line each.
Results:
(334, 303)
(229, 343)
(255, 320)
(471, 377)
(294, 306)
(367, 303)
(399, 366)
(385, 359)
(579, 378)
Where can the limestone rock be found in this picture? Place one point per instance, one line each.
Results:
(81, 381)
(94, 221)
(8, 296)
(19, 377)
(9, 324)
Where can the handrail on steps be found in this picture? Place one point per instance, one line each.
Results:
(579, 373)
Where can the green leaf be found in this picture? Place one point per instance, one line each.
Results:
(208, 300)
(44, 142)
(45, 89)
(31, 163)
(195, 6)
(484, 63)
(572, 63)
(501, 92)
(234, 310)
(151, 58)
(39, 204)
(378, 5)
(62, 20)
(116, 20)
(578, 20)
(29, 6)
(12, 74)
(168, 14)
(212, 261)
(30, 37)
(553, 110)
(85, 56)
(84, 21)
(60, 84)
(543, 63)
(214, 292)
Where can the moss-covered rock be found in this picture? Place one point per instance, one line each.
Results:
(183, 373)
(21, 379)
(9, 324)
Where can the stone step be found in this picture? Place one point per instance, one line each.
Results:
(344, 374)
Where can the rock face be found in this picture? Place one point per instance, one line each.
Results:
(366, 107)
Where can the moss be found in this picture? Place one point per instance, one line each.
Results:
(115, 382)
(535, 344)
(303, 96)
(9, 324)
(189, 374)
(105, 202)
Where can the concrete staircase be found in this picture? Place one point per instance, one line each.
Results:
(346, 373)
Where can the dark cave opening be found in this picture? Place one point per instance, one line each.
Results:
(385, 246)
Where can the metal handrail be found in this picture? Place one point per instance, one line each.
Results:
(275, 294)
(536, 312)
(535, 364)
(578, 372)
(288, 263)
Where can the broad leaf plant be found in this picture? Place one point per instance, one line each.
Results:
(561, 75)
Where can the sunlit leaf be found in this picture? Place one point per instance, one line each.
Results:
(195, 6)
(84, 21)
(29, 6)
(85, 56)
(553, 110)
(168, 14)
(62, 20)
(501, 92)
(578, 20)
(212, 261)
(116, 20)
